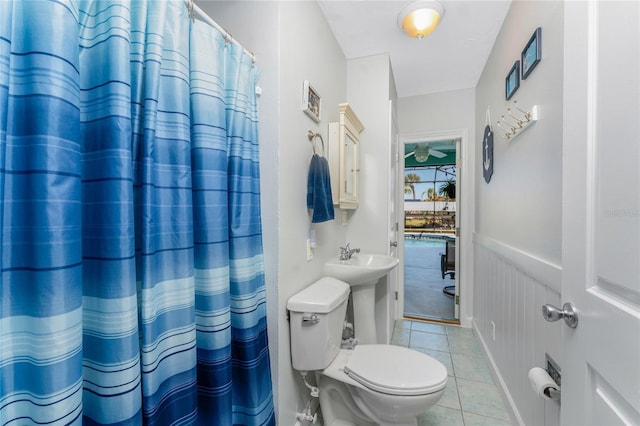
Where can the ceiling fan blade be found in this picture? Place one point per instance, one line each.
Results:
(409, 154)
(437, 154)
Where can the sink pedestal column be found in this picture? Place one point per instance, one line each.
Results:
(364, 303)
(362, 272)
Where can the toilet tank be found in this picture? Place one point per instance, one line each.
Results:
(316, 319)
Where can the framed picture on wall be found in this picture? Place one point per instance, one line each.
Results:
(532, 53)
(311, 102)
(512, 82)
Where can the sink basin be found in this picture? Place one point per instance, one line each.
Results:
(362, 268)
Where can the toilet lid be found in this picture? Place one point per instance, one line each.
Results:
(396, 370)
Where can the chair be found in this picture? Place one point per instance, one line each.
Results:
(448, 265)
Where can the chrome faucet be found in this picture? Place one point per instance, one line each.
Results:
(347, 252)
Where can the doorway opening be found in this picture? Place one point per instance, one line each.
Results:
(430, 218)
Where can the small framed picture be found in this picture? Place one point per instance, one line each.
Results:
(532, 53)
(512, 82)
(311, 102)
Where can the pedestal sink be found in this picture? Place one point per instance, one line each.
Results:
(362, 272)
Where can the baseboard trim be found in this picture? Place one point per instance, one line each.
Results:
(433, 320)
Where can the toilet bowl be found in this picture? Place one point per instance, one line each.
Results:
(380, 385)
(370, 384)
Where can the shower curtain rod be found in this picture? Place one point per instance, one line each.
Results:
(196, 12)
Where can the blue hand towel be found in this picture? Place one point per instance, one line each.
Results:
(319, 190)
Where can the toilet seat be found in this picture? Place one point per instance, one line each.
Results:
(395, 370)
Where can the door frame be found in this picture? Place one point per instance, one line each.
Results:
(394, 275)
(465, 215)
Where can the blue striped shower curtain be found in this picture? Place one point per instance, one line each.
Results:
(132, 287)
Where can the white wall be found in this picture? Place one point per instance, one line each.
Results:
(521, 206)
(451, 113)
(369, 91)
(368, 94)
(292, 42)
(518, 214)
(308, 51)
(437, 112)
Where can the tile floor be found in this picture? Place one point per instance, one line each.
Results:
(471, 397)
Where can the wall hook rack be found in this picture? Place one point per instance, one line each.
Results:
(522, 118)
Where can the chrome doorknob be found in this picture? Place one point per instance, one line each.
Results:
(568, 314)
(393, 243)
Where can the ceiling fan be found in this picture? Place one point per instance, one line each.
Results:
(422, 153)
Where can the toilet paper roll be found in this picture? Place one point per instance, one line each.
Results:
(541, 382)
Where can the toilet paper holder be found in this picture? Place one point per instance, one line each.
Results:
(554, 371)
(553, 394)
(546, 381)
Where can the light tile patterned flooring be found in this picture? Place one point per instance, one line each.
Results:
(471, 397)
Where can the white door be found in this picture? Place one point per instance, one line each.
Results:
(601, 213)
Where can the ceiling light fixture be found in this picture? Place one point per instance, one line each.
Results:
(419, 19)
(422, 153)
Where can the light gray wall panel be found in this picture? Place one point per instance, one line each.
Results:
(512, 297)
(521, 206)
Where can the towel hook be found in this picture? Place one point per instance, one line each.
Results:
(513, 126)
(519, 121)
(527, 115)
(312, 136)
(507, 132)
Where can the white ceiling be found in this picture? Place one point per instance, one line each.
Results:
(451, 58)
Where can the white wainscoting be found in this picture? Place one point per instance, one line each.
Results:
(510, 287)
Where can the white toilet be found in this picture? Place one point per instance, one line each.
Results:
(367, 385)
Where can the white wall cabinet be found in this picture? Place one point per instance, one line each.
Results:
(344, 159)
